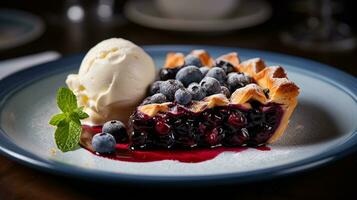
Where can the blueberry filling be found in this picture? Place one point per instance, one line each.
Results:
(230, 126)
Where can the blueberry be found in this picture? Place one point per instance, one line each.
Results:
(193, 60)
(215, 136)
(189, 75)
(182, 96)
(162, 128)
(117, 129)
(146, 101)
(237, 119)
(155, 87)
(165, 141)
(237, 80)
(210, 85)
(169, 87)
(225, 91)
(103, 143)
(217, 73)
(139, 140)
(226, 66)
(204, 70)
(197, 92)
(158, 98)
(166, 74)
(237, 138)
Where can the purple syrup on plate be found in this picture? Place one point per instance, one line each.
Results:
(125, 153)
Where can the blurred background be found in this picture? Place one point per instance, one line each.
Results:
(319, 29)
(322, 30)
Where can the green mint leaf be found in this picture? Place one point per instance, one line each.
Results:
(73, 116)
(68, 123)
(67, 136)
(81, 113)
(57, 119)
(66, 100)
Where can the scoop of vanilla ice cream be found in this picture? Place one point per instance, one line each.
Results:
(112, 80)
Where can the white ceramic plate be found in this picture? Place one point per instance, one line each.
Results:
(247, 14)
(322, 128)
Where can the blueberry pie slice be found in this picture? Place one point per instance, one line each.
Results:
(204, 102)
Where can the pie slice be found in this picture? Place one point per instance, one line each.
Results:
(254, 111)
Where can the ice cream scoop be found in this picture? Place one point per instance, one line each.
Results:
(112, 80)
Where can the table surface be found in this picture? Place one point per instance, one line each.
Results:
(20, 182)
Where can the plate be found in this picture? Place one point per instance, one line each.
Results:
(18, 27)
(247, 14)
(322, 129)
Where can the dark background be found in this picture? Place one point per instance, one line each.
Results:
(328, 182)
(68, 38)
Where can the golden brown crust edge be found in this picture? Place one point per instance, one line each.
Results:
(281, 89)
(288, 111)
(274, 78)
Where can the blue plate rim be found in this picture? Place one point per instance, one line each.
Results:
(12, 83)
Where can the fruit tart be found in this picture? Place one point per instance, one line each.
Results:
(201, 102)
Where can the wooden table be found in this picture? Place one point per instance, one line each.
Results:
(21, 182)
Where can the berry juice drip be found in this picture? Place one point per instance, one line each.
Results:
(124, 153)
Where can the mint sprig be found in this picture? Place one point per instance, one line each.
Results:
(68, 122)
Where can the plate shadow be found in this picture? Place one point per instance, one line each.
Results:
(310, 124)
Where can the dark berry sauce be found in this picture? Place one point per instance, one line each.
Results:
(125, 153)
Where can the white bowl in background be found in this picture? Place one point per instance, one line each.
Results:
(196, 9)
